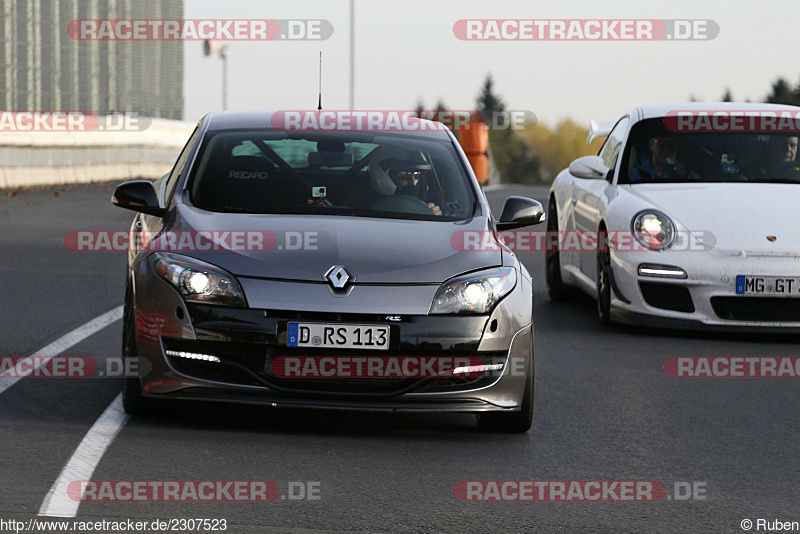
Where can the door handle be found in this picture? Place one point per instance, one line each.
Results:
(574, 198)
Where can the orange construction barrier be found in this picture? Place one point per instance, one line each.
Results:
(474, 139)
(480, 166)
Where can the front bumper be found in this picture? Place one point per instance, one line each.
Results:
(248, 340)
(711, 287)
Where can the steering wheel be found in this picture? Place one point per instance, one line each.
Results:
(786, 170)
(403, 204)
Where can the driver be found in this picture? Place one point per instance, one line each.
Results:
(660, 162)
(781, 150)
(392, 172)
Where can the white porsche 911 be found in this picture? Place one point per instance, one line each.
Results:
(689, 216)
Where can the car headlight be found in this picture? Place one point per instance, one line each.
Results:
(475, 292)
(199, 281)
(653, 229)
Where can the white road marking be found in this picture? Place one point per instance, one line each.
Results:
(84, 460)
(94, 444)
(43, 355)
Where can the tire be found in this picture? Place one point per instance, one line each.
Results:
(603, 279)
(512, 422)
(132, 400)
(556, 288)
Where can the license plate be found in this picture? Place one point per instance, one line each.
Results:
(767, 285)
(338, 336)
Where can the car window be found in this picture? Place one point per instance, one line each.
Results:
(180, 164)
(655, 153)
(332, 173)
(613, 144)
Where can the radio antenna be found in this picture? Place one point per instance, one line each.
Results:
(319, 107)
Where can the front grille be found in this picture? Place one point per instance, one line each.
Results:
(667, 296)
(772, 309)
(251, 364)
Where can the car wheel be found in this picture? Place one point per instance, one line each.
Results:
(555, 286)
(604, 279)
(515, 422)
(132, 400)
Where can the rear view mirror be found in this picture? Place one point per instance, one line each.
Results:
(589, 167)
(520, 211)
(330, 159)
(138, 195)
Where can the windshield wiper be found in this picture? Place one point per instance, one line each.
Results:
(239, 209)
(306, 210)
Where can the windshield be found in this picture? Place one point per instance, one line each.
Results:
(657, 154)
(353, 173)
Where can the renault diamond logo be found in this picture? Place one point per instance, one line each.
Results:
(337, 276)
(772, 238)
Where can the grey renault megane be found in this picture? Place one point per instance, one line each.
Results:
(343, 269)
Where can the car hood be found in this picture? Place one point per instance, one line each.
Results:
(389, 251)
(739, 216)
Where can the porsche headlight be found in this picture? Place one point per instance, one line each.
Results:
(199, 281)
(475, 292)
(653, 230)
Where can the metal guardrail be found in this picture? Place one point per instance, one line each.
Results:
(45, 158)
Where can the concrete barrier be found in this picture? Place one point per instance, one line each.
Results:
(45, 158)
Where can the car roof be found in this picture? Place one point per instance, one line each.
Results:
(263, 119)
(661, 110)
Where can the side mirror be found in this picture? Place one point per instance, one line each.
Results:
(590, 167)
(138, 195)
(520, 211)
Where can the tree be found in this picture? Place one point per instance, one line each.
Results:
(420, 107)
(727, 97)
(781, 93)
(796, 95)
(556, 147)
(515, 161)
(487, 101)
(422, 111)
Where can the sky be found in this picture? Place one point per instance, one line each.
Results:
(405, 51)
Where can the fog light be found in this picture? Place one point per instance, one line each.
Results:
(661, 271)
(477, 368)
(193, 356)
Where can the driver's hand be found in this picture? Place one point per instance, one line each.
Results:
(434, 208)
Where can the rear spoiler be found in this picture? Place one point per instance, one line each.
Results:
(598, 130)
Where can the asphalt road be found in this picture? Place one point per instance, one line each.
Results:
(605, 409)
